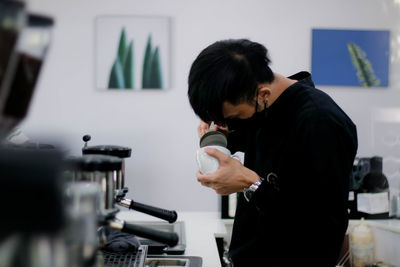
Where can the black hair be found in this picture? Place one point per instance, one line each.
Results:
(227, 70)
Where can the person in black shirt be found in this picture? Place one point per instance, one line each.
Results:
(299, 150)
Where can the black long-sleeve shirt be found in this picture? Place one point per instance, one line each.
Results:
(299, 217)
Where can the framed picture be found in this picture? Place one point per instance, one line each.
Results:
(351, 57)
(132, 52)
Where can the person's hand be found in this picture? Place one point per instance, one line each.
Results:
(204, 127)
(230, 177)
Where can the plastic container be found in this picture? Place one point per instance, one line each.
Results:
(362, 245)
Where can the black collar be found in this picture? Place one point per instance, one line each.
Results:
(281, 110)
(303, 80)
(302, 77)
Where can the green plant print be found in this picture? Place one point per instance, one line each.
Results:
(122, 44)
(146, 64)
(122, 71)
(155, 67)
(365, 71)
(152, 73)
(116, 80)
(128, 67)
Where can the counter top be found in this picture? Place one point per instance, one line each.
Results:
(392, 225)
(201, 230)
(386, 239)
(203, 227)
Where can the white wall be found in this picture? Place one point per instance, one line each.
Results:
(160, 126)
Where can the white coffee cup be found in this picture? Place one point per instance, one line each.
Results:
(209, 164)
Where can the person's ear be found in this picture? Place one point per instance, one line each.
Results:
(264, 92)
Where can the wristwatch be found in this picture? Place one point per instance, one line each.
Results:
(249, 192)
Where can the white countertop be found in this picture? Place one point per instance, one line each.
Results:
(392, 225)
(386, 239)
(201, 230)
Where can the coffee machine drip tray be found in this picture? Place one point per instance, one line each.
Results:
(131, 259)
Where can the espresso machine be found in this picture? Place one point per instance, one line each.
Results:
(102, 170)
(119, 180)
(39, 226)
(104, 166)
(46, 222)
(31, 191)
(24, 40)
(53, 207)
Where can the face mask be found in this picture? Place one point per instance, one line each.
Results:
(253, 122)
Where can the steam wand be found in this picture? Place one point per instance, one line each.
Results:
(109, 219)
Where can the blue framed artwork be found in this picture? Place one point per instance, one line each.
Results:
(350, 57)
